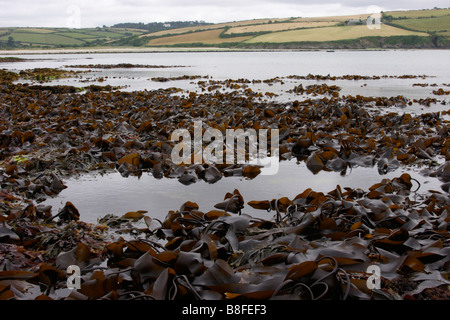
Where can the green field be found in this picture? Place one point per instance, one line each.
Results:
(209, 37)
(441, 23)
(419, 13)
(404, 28)
(332, 34)
(36, 38)
(62, 37)
(274, 27)
(399, 29)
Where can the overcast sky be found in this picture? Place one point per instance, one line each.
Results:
(93, 13)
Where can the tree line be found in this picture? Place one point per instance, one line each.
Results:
(159, 26)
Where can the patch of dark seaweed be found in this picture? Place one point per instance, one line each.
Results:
(46, 74)
(314, 238)
(125, 131)
(122, 66)
(45, 135)
(184, 77)
(11, 59)
(53, 89)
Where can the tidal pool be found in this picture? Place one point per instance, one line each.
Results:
(96, 195)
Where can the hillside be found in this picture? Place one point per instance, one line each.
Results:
(62, 37)
(398, 29)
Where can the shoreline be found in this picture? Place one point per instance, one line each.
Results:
(107, 50)
(173, 50)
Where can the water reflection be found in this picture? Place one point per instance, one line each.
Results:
(98, 195)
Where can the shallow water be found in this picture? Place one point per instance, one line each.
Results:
(264, 65)
(97, 195)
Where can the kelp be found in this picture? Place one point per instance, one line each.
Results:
(120, 66)
(313, 246)
(328, 77)
(184, 77)
(319, 248)
(46, 74)
(316, 89)
(12, 59)
(102, 129)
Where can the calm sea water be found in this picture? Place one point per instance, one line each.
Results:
(262, 66)
(98, 195)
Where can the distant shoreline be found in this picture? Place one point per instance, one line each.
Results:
(107, 50)
(174, 50)
(136, 50)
